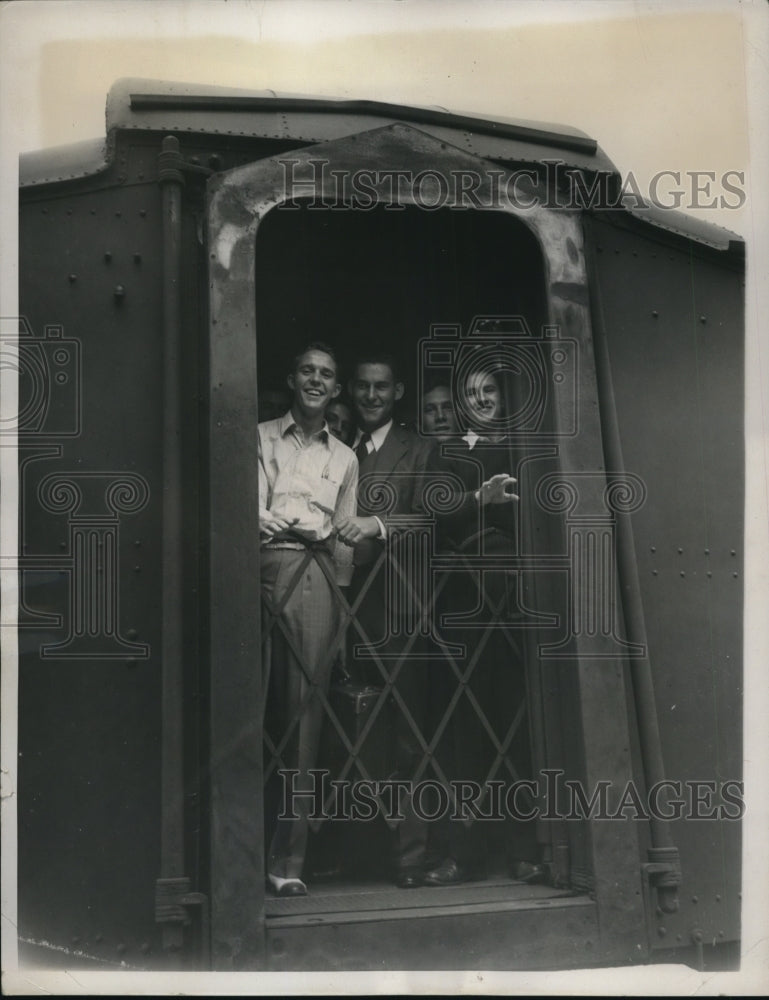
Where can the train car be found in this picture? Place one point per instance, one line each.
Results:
(167, 273)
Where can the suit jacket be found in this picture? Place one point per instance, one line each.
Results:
(398, 468)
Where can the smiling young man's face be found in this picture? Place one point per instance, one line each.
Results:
(484, 398)
(374, 393)
(314, 382)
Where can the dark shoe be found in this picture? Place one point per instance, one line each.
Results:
(447, 873)
(287, 886)
(529, 873)
(409, 878)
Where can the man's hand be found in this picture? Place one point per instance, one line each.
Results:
(497, 490)
(272, 526)
(352, 530)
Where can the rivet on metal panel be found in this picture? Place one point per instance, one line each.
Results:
(107, 257)
(62, 545)
(682, 573)
(709, 573)
(703, 319)
(214, 161)
(119, 292)
(654, 572)
(137, 258)
(137, 543)
(137, 569)
(195, 159)
(655, 314)
(733, 552)
(93, 211)
(616, 251)
(662, 931)
(140, 176)
(735, 575)
(118, 214)
(69, 211)
(695, 899)
(142, 212)
(72, 278)
(680, 551)
(718, 898)
(132, 633)
(654, 548)
(120, 948)
(145, 948)
(98, 938)
(697, 935)
(707, 552)
(721, 934)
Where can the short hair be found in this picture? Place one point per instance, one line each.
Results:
(316, 345)
(377, 358)
(440, 379)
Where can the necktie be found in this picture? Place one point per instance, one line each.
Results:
(361, 450)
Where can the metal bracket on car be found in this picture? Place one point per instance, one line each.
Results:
(663, 871)
(172, 166)
(173, 899)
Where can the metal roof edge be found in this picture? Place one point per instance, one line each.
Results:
(150, 94)
(681, 224)
(63, 163)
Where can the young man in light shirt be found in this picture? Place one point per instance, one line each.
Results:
(307, 484)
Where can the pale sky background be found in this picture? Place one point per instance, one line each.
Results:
(680, 85)
(661, 86)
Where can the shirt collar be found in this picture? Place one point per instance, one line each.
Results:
(472, 439)
(377, 437)
(286, 424)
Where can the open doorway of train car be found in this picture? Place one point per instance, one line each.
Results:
(382, 281)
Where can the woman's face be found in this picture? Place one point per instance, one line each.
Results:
(484, 397)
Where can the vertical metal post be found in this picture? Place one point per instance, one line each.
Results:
(664, 863)
(172, 764)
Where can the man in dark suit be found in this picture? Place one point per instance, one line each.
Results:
(392, 462)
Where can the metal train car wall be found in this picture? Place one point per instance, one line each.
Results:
(160, 271)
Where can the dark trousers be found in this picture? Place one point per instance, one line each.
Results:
(410, 697)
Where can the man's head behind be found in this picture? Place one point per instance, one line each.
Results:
(374, 388)
(439, 418)
(339, 420)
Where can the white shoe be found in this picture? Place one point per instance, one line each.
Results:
(287, 886)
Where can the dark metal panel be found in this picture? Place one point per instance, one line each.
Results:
(675, 335)
(89, 715)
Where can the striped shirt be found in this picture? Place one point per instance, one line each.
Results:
(314, 480)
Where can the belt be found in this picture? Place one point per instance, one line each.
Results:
(297, 544)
